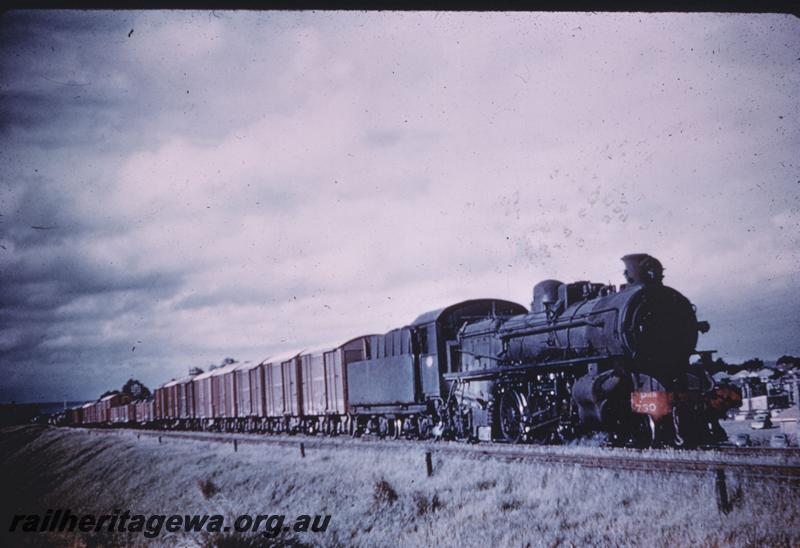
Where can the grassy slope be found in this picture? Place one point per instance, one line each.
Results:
(380, 495)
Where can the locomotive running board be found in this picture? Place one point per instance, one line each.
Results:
(483, 374)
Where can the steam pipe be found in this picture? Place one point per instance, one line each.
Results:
(551, 328)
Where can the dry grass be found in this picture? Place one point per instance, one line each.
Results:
(384, 493)
(207, 488)
(381, 496)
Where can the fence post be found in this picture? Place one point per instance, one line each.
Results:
(428, 463)
(723, 504)
(159, 439)
(302, 450)
(235, 445)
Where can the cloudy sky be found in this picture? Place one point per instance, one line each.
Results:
(180, 187)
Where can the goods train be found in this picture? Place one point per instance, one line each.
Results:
(588, 359)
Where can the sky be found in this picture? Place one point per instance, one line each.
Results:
(181, 187)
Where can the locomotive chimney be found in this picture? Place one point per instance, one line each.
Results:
(641, 268)
(545, 294)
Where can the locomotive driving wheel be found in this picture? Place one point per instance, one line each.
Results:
(424, 428)
(511, 416)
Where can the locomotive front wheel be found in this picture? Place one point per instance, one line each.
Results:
(512, 409)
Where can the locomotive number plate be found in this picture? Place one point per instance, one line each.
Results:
(655, 404)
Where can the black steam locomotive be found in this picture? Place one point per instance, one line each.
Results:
(588, 358)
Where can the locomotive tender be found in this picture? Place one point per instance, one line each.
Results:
(588, 358)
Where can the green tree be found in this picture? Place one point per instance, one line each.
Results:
(753, 364)
(136, 390)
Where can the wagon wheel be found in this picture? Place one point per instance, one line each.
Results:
(511, 413)
(407, 428)
(383, 427)
(395, 428)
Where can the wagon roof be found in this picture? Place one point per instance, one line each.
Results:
(203, 375)
(283, 356)
(434, 315)
(110, 396)
(321, 348)
(348, 341)
(173, 382)
(226, 369)
(247, 365)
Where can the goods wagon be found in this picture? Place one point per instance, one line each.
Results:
(249, 395)
(323, 381)
(281, 399)
(184, 389)
(105, 404)
(122, 414)
(313, 390)
(223, 395)
(159, 403)
(203, 406)
(144, 412)
(163, 406)
(74, 416)
(88, 414)
(175, 403)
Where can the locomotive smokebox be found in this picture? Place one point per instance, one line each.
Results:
(641, 268)
(545, 294)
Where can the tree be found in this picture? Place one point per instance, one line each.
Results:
(753, 364)
(786, 363)
(226, 361)
(136, 390)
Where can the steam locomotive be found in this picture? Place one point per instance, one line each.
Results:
(588, 359)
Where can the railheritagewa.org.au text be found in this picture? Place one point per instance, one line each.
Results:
(152, 525)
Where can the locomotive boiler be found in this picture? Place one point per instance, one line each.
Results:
(590, 358)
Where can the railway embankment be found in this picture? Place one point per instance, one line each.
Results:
(375, 494)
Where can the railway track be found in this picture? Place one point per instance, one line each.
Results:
(758, 451)
(750, 462)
